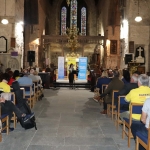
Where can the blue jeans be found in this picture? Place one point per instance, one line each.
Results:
(139, 126)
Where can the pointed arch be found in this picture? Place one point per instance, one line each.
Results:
(63, 20)
(75, 12)
(73, 18)
(83, 21)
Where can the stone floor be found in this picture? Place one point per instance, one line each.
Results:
(67, 120)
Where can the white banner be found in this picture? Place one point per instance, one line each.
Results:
(60, 67)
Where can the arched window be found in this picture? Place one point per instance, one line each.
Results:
(73, 18)
(83, 21)
(63, 20)
(73, 15)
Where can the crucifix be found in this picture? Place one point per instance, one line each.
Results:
(140, 50)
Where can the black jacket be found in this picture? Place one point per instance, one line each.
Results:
(127, 88)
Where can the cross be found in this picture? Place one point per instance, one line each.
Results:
(140, 50)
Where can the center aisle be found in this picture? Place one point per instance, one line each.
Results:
(68, 120)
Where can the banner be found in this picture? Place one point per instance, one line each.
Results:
(60, 67)
(71, 60)
(82, 68)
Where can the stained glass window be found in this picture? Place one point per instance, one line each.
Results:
(63, 20)
(83, 21)
(73, 18)
(73, 15)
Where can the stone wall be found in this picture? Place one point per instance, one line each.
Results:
(14, 13)
(140, 32)
(112, 60)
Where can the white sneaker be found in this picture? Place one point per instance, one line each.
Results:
(95, 99)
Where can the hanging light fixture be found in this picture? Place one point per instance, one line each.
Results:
(138, 18)
(68, 2)
(4, 20)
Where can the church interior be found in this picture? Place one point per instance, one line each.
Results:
(54, 36)
(104, 31)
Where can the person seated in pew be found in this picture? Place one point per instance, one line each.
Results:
(110, 73)
(136, 73)
(102, 80)
(129, 86)
(16, 75)
(4, 84)
(138, 95)
(115, 84)
(143, 125)
(32, 76)
(25, 80)
(126, 89)
(126, 76)
(11, 80)
(6, 105)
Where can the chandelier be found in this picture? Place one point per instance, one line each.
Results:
(68, 2)
(72, 36)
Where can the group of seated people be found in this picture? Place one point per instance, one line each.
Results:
(7, 79)
(135, 88)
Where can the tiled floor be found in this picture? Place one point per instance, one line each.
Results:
(67, 120)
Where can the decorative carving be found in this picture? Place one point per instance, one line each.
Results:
(73, 55)
(13, 64)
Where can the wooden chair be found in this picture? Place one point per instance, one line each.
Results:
(111, 107)
(37, 92)
(23, 92)
(144, 141)
(34, 94)
(135, 108)
(29, 94)
(5, 119)
(40, 89)
(103, 89)
(121, 101)
(14, 118)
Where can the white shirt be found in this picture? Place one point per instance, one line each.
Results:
(146, 109)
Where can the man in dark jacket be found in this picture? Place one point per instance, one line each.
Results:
(115, 84)
(129, 86)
